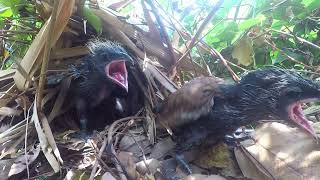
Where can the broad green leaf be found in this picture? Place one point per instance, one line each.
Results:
(251, 22)
(93, 20)
(5, 11)
(12, 4)
(311, 4)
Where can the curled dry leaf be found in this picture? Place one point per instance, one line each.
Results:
(283, 153)
(20, 163)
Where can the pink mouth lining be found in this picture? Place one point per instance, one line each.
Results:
(117, 72)
(297, 116)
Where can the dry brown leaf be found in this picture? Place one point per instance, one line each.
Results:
(76, 175)
(5, 168)
(69, 52)
(150, 164)
(31, 60)
(5, 97)
(204, 177)
(285, 152)
(243, 51)
(151, 70)
(20, 163)
(127, 161)
(46, 149)
(7, 111)
(107, 176)
(56, 110)
(129, 142)
(249, 166)
(6, 74)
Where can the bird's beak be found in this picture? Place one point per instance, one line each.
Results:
(116, 70)
(297, 116)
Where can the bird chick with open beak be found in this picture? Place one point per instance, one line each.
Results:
(103, 76)
(209, 107)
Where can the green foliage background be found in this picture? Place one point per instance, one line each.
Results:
(235, 19)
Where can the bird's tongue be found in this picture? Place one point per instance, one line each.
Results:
(298, 117)
(117, 72)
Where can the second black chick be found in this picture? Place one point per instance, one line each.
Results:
(100, 83)
(208, 108)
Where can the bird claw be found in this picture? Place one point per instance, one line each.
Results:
(183, 163)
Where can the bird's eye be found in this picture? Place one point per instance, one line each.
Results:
(294, 92)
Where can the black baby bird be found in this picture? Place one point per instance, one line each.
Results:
(100, 82)
(209, 107)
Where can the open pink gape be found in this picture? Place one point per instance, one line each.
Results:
(117, 72)
(297, 116)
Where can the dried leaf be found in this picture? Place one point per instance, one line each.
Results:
(31, 60)
(243, 51)
(151, 70)
(150, 164)
(5, 168)
(60, 99)
(107, 176)
(127, 161)
(249, 166)
(7, 111)
(204, 177)
(46, 149)
(20, 162)
(6, 74)
(285, 152)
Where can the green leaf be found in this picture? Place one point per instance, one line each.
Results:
(311, 4)
(93, 20)
(12, 5)
(251, 22)
(6, 12)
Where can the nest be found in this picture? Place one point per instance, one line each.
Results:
(37, 120)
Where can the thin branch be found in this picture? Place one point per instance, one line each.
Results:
(298, 38)
(164, 32)
(288, 56)
(202, 26)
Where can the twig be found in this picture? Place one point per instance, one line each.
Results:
(108, 140)
(94, 169)
(298, 38)
(214, 52)
(18, 32)
(26, 140)
(202, 26)
(180, 35)
(288, 56)
(164, 32)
